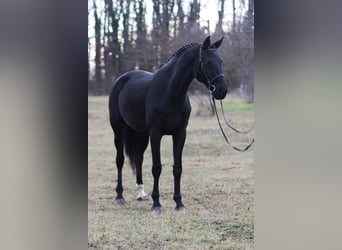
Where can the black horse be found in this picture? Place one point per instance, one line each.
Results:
(145, 105)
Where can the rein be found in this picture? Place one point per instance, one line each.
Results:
(224, 135)
(230, 126)
(212, 89)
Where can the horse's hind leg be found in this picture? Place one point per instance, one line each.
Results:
(119, 144)
(142, 141)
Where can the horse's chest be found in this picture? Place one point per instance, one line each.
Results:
(174, 119)
(168, 117)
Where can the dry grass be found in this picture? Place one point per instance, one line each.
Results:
(217, 188)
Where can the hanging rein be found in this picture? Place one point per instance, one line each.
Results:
(212, 88)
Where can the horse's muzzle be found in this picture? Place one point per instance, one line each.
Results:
(219, 93)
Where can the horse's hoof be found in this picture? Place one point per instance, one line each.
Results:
(181, 209)
(142, 198)
(157, 209)
(119, 201)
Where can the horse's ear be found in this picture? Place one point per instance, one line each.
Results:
(206, 43)
(218, 43)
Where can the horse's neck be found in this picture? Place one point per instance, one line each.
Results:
(183, 74)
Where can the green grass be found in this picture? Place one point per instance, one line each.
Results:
(217, 188)
(237, 105)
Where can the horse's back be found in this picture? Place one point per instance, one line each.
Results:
(127, 99)
(134, 78)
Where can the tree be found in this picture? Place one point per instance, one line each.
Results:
(180, 15)
(234, 17)
(162, 16)
(98, 45)
(127, 43)
(195, 8)
(219, 28)
(112, 49)
(141, 59)
(239, 52)
(248, 28)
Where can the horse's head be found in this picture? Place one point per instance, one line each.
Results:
(209, 70)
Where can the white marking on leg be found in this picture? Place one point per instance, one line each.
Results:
(141, 193)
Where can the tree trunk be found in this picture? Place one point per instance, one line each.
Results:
(219, 28)
(180, 15)
(98, 45)
(234, 17)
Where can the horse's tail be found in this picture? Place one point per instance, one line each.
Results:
(135, 145)
(131, 147)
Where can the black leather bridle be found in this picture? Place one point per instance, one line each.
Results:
(209, 82)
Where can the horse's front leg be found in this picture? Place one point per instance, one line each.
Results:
(155, 137)
(178, 144)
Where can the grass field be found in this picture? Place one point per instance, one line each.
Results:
(217, 188)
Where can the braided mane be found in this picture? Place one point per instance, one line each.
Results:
(178, 52)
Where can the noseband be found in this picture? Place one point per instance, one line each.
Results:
(209, 81)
